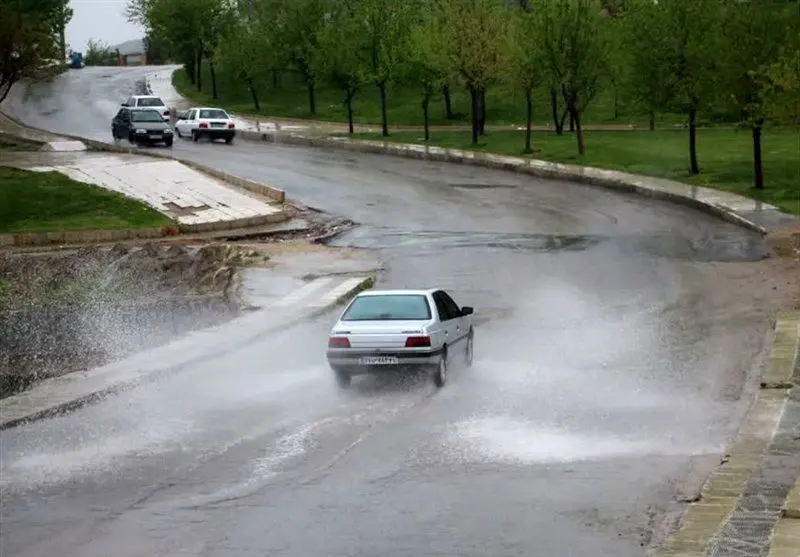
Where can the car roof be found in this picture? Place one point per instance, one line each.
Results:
(398, 291)
(145, 97)
(207, 108)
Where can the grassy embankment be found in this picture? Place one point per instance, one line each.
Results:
(724, 151)
(49, 201)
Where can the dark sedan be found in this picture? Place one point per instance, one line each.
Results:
(141, 125)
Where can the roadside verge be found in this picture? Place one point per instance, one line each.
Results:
(741, 503)
(68, 392)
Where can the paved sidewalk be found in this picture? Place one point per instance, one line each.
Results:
(70, 391)
(197, 201)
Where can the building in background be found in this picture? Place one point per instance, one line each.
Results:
(132, 53)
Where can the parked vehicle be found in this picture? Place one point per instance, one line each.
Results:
(76, 60)
(141, 125)
(394, 330)
(148, 101)
(213, 123)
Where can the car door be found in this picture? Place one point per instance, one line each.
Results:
(448, 321)
(191, 122)
(462, 329)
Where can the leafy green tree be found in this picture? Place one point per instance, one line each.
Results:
(691, 43)
(783, 93)
(574, 52)
(298, 25)
(344, 60)
(524, 62)
(646, 78)
(425, 67)
(28, 41)
(756, 31)
(470, 40)
(99, 53)
(243, 50)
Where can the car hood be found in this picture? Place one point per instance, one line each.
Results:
(150, 125)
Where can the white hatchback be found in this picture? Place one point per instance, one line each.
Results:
(213, 123)
(148, 101)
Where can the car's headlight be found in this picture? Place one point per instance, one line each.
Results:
(141, 131)
(167, 130)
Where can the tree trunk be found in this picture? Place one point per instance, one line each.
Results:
(199, 71)
(425, 103)
(312, 98)
(384, 119)
(448, 105)
(616, 103)
(473, 95)
(529, 107)
(758, 168)
(254, 94)
(572, 120)
(213, 79)
(190, 71)
(575, 117)
(652, 120)
(349, 102)
(558, 125)
(276, 82)
(694, 168)
(482, 116)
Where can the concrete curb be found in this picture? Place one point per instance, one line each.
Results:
(656, 188)
(791, 508)
(704, 520)
(42, 401)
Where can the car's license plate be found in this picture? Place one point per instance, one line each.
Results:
(216, 124)
(156, 136)
(378, 360)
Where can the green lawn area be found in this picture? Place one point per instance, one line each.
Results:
(504, 106)
(725, 156)
(49, 201)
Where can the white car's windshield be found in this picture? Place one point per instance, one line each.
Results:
(146, 116)
(151, 101)
(391, 307)
(214, 114)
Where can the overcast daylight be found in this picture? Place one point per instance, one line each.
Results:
(102, 20)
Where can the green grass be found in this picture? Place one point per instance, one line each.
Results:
(50, 201)
(504, 106)
(724, 156)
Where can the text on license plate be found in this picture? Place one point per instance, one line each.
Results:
(378, 360)
(156, 136)
(217, 124)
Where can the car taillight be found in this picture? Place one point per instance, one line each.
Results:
(417, 342)
(338, 342)
(166, 113)
(203, 125)
(230, 126)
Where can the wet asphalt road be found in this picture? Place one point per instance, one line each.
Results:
(611, 361)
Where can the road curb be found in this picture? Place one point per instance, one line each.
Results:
(129, 369)
(704, 521)
(83, 236)
(791, 508)
(656, 188)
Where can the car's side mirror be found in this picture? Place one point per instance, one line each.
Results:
(467, 310)
(124, 104)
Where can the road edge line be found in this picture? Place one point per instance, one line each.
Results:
(703, 520)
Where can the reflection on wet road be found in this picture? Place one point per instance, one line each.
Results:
(612, 352)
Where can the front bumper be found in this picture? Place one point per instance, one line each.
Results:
(350, 360)
(148, 138)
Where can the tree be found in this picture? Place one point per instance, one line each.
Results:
(28, 41)
(524, 62)
(386, 26)
(474, 53)
(243, 51)
(646, 76)
(99, 53)
(62, 16)
(344, 61)
(756, 30)
(299, 24)
(690, 31)
(574, 52)
(425, 67)
(782, 96)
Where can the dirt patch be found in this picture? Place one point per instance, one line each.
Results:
(63, 311)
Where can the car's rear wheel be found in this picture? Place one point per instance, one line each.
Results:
(195, 136)
(468, 353)
(440, 375)
(342, 378)
(228, 140)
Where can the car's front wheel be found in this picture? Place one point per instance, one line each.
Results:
(440, 375)
(168, 142)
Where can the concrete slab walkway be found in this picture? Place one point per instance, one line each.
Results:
(197, 201)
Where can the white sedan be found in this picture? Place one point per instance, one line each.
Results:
(399, 329)
(213, 123)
